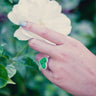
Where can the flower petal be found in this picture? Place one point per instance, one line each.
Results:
(60, 24)
(52, 10)
(20, 34)
(44, 12)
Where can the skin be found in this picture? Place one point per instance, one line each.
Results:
(71, 66)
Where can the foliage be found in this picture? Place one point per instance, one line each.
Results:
(18, 60)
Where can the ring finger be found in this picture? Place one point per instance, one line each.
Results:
(50, 66)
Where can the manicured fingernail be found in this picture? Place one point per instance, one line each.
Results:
(43, 63)
(22, 23)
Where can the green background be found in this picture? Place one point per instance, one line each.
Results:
(29, 80)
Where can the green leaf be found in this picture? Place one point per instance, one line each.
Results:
(5, 6)
(22, 63)
(11, 70)
(69, 4)
(10, 82)
(29, 62)
(11, 1)
(25, 61)
(1, 49)
(3, 76)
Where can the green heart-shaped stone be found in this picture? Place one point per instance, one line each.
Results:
(43, 62)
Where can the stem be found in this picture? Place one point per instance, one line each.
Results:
(4, 56)
(19, 53)
(94, 28)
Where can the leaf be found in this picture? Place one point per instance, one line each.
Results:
(69, 4)
(3, 76)
(5, 7)
(10, 82)
(11, 70)
(20, 68)
(25, 61)
(22, 63)
(1, 49)
(29, 62)
(11, 1)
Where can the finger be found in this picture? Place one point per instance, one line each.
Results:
(46, 33)
(43, 47)
(50, 63)
(39, 56)
(47, 73)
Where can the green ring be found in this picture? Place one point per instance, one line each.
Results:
(43, 63)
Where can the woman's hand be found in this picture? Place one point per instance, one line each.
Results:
(71, 66)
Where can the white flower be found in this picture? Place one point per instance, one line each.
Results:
(43, 12)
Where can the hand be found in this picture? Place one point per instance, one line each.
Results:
(71, 65)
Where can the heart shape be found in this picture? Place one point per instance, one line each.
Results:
(43, 63)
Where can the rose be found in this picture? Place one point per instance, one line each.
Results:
(43, 12)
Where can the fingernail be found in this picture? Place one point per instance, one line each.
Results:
(22, 23)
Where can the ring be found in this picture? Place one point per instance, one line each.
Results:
(43, 63)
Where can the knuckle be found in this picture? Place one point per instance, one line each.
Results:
(62, 55)
(76, 43)
(56, 78)
(44, 33)
(32, 42)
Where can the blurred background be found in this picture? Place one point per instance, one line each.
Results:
(28, 78)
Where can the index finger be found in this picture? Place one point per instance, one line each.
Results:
(46, 33)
